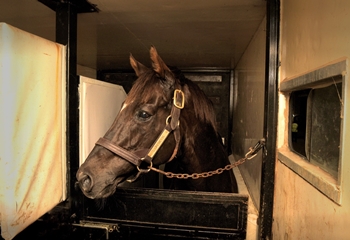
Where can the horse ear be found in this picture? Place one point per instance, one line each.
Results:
(162, 69)
(157, 63)
(137, 66)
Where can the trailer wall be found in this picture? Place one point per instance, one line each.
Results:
(314, 34)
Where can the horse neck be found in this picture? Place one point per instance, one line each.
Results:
(202, 150)
(203, 153)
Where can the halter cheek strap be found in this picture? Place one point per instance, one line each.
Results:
(172, 125)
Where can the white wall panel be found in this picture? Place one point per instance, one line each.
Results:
(100, 103)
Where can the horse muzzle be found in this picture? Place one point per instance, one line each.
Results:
(85, 182)
(98, 190)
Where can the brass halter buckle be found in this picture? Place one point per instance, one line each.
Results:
(179, 99)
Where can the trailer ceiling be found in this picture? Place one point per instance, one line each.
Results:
(187, 34)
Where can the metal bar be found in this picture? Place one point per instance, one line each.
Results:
(270, 120)
(107, 227)
(66, 34)
(233, 98)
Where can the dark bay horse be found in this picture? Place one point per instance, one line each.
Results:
(165, 117)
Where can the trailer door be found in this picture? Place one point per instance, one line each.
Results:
(32, 126)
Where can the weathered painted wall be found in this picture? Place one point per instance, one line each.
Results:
(313, 34)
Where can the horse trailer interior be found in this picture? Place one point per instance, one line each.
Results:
(276, 72)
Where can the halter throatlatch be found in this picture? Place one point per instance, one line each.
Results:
(139, 157)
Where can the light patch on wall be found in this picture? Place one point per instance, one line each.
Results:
(282, 134)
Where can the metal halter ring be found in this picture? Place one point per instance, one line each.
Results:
(145, 170)
(167, 120)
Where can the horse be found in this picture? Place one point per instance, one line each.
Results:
(165, 118)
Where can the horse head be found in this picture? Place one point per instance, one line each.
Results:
(147, 115)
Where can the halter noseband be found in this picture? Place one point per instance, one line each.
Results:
(138, 157)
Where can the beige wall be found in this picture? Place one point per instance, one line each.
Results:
(313, 34)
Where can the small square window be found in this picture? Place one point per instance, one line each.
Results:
(314, 127)
(315, 116)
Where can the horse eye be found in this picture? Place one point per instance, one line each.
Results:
(143, 115)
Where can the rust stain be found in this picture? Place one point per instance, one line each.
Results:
(23, 216)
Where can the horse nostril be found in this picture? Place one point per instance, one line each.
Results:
(85, 183)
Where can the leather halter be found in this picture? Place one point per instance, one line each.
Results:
(172, 125)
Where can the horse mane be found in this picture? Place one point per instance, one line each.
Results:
(201, 105)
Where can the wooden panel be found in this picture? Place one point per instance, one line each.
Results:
(224, 214)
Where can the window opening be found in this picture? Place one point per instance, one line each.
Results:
(315, 125)
(298, 100)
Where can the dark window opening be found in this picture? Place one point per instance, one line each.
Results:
(315, 125)
(298, 100)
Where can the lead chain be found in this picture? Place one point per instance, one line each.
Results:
(249, 155)
(200, 175)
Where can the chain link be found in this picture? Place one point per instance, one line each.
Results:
(199, 175)
(253, 151)
(250, 154)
